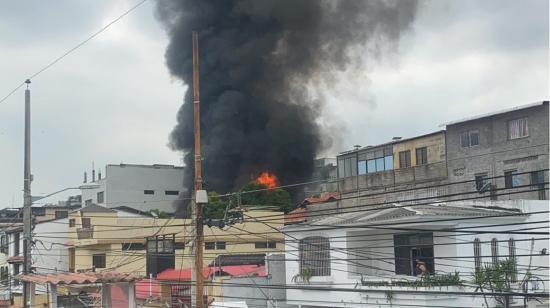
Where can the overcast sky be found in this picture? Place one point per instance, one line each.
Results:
(114, 101)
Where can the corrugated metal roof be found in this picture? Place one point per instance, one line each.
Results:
(78, 278)
(397, 211)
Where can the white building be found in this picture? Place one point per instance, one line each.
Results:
(143, 187)
(368, 258)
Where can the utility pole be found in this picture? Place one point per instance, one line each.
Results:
(28, 294)
(197, 207)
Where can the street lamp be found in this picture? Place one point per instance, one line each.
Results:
(88, 186)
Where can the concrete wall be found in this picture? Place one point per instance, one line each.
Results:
(124, 185)
(452, 251)
(50, 253)
(385, 184)
(111, 231)
(495, 153)
(435, 144)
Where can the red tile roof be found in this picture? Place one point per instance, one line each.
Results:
(231, 270)
(78, 278)
(298, 215)
(324, 197)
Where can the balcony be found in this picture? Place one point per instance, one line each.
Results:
(85, 233)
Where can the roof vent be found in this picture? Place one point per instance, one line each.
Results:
(396, 138)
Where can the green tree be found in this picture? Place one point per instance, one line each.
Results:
(256, 194)
(215, 208)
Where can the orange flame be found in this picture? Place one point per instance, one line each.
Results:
(268, 179)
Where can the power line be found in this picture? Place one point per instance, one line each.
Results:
(68, 52)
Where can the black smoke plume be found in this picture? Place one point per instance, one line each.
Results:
(257, 61)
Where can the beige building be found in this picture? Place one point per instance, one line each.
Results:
(375, 172)
(128, 241)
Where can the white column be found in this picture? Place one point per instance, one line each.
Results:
(105, 295)
(131, 295)
(53, 295)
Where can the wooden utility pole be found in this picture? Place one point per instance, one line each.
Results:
(197, 273)
(28, 292)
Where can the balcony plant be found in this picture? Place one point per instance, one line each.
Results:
(304, 275)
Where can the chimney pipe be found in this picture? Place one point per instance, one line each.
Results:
(98, 174)
(93, 175)
(85, 177)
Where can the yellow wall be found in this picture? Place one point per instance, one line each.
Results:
(110, 232)
(435, 144)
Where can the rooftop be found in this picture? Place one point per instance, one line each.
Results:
(78, 278)
(154, 166)
(490, 114)
(397, 141)
(397, 212)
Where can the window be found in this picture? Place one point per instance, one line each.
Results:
(16, 271)
(214, 245)
(148, 192)
(98, 260)
(388, 162)
(375, 161)
(4, 276)
(61, 214)
(101, 197)
(362, 166)
(71, 223)
(133, 246)
(4, 244)
(159, 244)
(469, 138)
(88, 202)
(171, 192)
(405, 159)
(537, 180)
(421, 156)
(477, 254)
(315, 255)
(347, 166)
(482, 182)
(371, 166)
(494, 250)
(410, 248)
(518, 128)
(511, 179)
(512, 256)
(16, 243)
(263, 245)
(86, 222)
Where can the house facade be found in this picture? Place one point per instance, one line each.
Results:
(143, 187)
(372, 259)
(505, 152)
(104, 239)
(498, 156)
(397, 170)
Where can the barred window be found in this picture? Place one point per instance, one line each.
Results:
(512, 256)
(477, 254)
(315, 255)
(494, 250)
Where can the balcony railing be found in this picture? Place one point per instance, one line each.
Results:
(85, 233)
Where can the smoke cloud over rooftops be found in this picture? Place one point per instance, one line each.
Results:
(257, 61)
